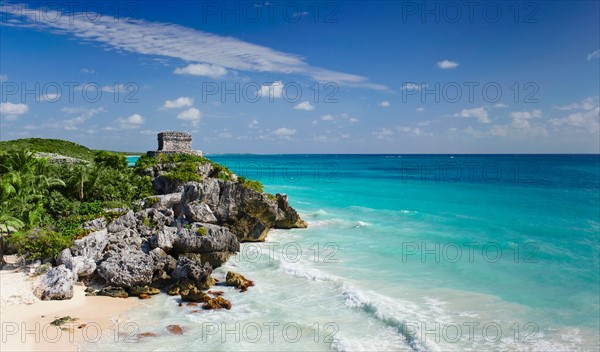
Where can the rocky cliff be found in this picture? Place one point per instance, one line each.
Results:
(173, 240)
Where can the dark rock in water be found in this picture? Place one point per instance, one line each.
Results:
(238, 281)
(57, 284)
(215, 293)
(127, 268)
(144, 296)
(116, 292)
(216, 303)
(146, 334)
(143, 290)
(194, 295)
(288, 218)
(175, 329)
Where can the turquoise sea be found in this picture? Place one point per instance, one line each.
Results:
(407, 253)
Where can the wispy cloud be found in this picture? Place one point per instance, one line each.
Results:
(175, 41)
(594, 55)
(384, 104)
(447, 64)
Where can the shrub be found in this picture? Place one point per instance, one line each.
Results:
(111, 160)
(201, 231)
(255, 185)
(40, 243)
(185, 172)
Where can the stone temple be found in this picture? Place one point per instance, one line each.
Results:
(170, 142)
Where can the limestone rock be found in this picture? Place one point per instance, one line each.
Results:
(57, 284)
(127, 268)
(91, 246)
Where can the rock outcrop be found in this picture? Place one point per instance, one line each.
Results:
(172, 240)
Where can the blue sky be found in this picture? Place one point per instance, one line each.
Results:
(305, 76)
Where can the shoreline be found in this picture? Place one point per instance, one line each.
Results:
(26, 321)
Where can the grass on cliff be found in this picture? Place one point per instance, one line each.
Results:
(57, 146)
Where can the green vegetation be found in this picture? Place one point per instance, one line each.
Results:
(58, 146)
(43, 206)
(255, 185)
(272, 196)
(186, 171)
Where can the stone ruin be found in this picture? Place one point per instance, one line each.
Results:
(171, 142)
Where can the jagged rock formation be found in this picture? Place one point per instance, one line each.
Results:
(173, 240)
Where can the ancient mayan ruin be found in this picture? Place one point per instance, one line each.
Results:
(171, 142)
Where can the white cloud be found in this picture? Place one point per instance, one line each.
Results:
(383, 134)
(384, 104)
(174, 41)
(447, 64)
(594, 55)
(353, 120)
(225, 134)
(500, 106)
(131, 122)
(192, 115)
(420, 109)
(585, 119)
(87, 70)
(3, 78)
(305, 105)
(181, 102)
(410, 130)
(12, 111)
(208, 70)
(480, 113)
(273, 90)
(253, 124)
(526, 115)
(327, 118)
(588, 103)
(284, 132)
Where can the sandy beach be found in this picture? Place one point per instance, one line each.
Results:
(26, 321)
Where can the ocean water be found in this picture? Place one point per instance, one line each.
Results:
(405, 253)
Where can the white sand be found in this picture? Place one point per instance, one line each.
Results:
(25, 320)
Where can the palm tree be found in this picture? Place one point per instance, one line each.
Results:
(8, 224)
